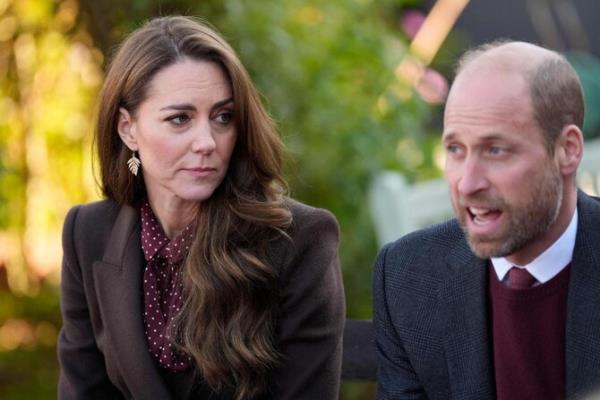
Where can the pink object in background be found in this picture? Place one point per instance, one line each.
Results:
(411, 22)
(432, 87)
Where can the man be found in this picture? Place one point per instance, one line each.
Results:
(503, 301)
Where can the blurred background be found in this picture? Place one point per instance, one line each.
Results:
(357, 87)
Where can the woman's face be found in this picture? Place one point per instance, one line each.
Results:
(184, 132)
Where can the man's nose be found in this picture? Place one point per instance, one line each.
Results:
(473, 177)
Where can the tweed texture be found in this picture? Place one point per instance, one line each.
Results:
(431, 315)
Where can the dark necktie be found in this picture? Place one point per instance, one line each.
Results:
(520, 278)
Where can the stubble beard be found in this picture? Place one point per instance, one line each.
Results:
(526, 222)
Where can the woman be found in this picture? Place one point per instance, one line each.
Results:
(196, 277)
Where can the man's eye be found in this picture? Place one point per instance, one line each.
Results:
(224, 117)
(452, 149)
(496, 150)
(178, 119)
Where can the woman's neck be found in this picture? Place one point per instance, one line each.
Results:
(173, 214)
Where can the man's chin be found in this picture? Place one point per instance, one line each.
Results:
(487, 248)
(481, 246)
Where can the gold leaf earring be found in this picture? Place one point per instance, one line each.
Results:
(134, 164)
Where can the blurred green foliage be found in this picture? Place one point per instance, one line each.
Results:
(326, 70)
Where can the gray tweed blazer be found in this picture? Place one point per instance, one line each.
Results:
(102, 348)
(431, 315)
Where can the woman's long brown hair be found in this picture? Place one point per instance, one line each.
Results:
(226, 322)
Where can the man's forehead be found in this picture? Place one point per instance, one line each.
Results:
(486, 74)
(490, 105)
(488, 91)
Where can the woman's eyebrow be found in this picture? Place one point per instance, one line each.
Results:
(180, 107)
(191, 107)
(223, 102)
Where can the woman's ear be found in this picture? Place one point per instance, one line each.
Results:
(569, 150)
(126, 128)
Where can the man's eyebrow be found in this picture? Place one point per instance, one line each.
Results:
(448, 136)
(488, 137)
(493, 136)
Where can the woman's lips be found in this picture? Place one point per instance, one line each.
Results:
(201, 171)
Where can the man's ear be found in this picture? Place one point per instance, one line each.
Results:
(569, 149)
(126, 128)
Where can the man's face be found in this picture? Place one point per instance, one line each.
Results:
(506, 189)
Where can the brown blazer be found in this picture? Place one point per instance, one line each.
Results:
(102, 349)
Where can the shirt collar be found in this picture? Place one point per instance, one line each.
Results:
(156, 243)
(548, 264)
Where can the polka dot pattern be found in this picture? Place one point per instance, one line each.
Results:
(162, 287)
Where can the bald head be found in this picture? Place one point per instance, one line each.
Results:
(553, 86)
(505, 56)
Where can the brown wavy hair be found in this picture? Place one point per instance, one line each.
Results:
(226, 322)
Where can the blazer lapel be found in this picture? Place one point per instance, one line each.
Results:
(467, 342)
(118, 279)
(583, 303)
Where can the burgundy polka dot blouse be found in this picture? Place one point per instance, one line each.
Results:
(163, 287)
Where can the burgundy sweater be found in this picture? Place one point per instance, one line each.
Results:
(528, 328)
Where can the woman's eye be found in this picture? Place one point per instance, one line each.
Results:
(178, 119)
(224, 118)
